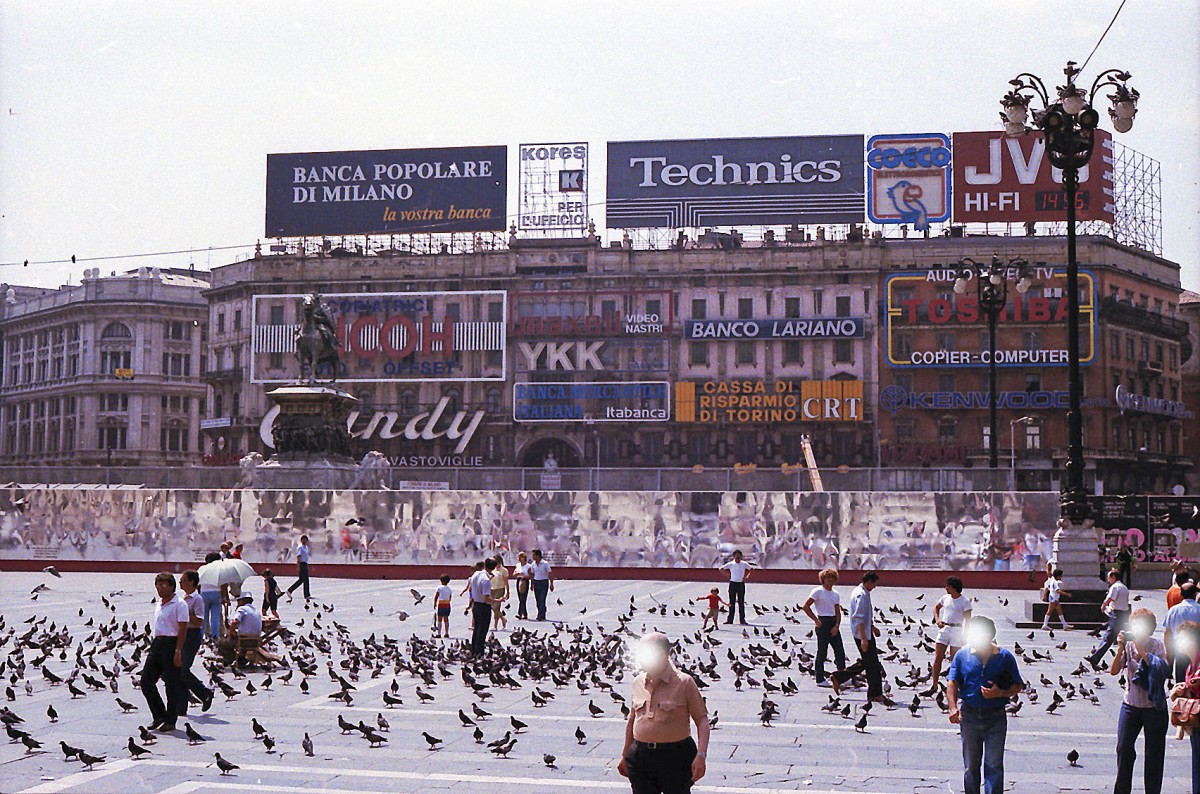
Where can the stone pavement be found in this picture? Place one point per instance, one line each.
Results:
(804, 749)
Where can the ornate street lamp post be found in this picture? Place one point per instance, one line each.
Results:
(991, 293)
(1068, 122)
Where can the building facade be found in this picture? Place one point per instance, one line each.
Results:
(107, 371)
(717, 355)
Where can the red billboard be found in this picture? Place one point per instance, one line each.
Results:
(998, 179)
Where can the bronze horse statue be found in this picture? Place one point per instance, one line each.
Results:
(316, 341)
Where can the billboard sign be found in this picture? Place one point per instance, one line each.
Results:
(908, 179)
(998, 179)
(462, 189)
(625, 355)
(570, 314)
(812, 328)
(926, 324)
(774, 402)
(646, 401)
(553, 193)
(735, 181)
(389, 336)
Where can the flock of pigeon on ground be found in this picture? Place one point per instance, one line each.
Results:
(93, 659)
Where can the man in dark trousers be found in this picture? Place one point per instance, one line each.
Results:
(982, 678)
(480, 587)
(739, 571)
(543, 582)
(660, 756)
(302, 553)
(165, 658)
(864, 631)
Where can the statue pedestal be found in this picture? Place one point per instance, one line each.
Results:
(1075, 548)
(312, 443)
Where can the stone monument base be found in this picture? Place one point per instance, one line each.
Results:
(312, 443)
(298, 473)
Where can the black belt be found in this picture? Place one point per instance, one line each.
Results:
(663, 745)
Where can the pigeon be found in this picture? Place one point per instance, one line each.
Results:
(417, 595)
(225, 766)
(382, 723)
(1073, 758)
(506, 748)
(69, 751)
(90, 760)
(374, 738)
(30, 743)
(594, 709)
(548, 760)
(126, 707)
(390, 701)
(51, 713)
(580, 736)
(480, 714)
(477, 734)
(135, 750)
(432, 740)
(861, 725)
(192, 736)
(464, 719)
(147, 737)
(75, 691)
(307, 744)
(50, 569)
(518, 726)
(268, 743)
(344, 725)
(259, 731)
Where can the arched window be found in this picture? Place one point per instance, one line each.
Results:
(116, 331)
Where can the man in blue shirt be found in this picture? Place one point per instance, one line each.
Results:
(983, 677)
(864, 631)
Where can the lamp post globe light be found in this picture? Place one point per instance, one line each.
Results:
(1068, 122)
(991, 293)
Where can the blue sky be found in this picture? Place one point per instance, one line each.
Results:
(139, 127)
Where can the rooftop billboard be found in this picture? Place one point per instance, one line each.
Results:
(461, 189)
(732, 181)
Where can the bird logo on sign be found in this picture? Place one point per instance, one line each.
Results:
(906, 198)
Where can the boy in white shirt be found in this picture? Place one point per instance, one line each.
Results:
(441, 608)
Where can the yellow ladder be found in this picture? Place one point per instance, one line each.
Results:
(810, 460)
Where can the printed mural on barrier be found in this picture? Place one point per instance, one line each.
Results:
(956, 531)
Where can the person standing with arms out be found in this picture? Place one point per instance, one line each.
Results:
(1143, 660)
(499, 594)
(543, 582)
(1054, 596)
(660, 756)
(165, 658)
(828, 619)
(950, 614)
(521, 574)
(864, 631)
(981, 679)
(211, 594)
(480, 586)
(714, 607)
(302, 553)
(739, 571)
(1116, 606)
(188, 582)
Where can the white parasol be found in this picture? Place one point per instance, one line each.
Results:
(228, 571)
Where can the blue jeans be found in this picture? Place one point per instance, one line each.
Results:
(540, 588)
(212, 613)
(826, 640)
(983, 734)
(1129, 724)
(1116, 622)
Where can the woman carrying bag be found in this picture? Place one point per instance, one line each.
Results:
(1185, 697)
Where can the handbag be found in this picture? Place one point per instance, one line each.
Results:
(1185, 713)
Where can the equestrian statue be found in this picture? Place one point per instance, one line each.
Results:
(316, 341)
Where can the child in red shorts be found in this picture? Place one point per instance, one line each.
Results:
(714, 604)
(441, 608)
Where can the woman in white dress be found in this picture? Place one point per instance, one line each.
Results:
(950, 613)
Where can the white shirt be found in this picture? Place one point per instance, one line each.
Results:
(248, 619)
(827, 602)
(480, 585)
(954, 609)
(737, 570)
(443, 593)
(862, 616)
(302, 553)
(1118, 596)
(520, 569)
(1052, 587)
(540, 571)
(195, 604)
(168, 616)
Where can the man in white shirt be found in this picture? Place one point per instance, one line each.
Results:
(1116, 606)
(739, 571)
(480, 586)
(247, 620)
(302, 553)
(165, 657)
(543, 582)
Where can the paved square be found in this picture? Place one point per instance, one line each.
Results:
(804, 749)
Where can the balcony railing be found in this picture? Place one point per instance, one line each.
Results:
(1130, 316)
(230, 373)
